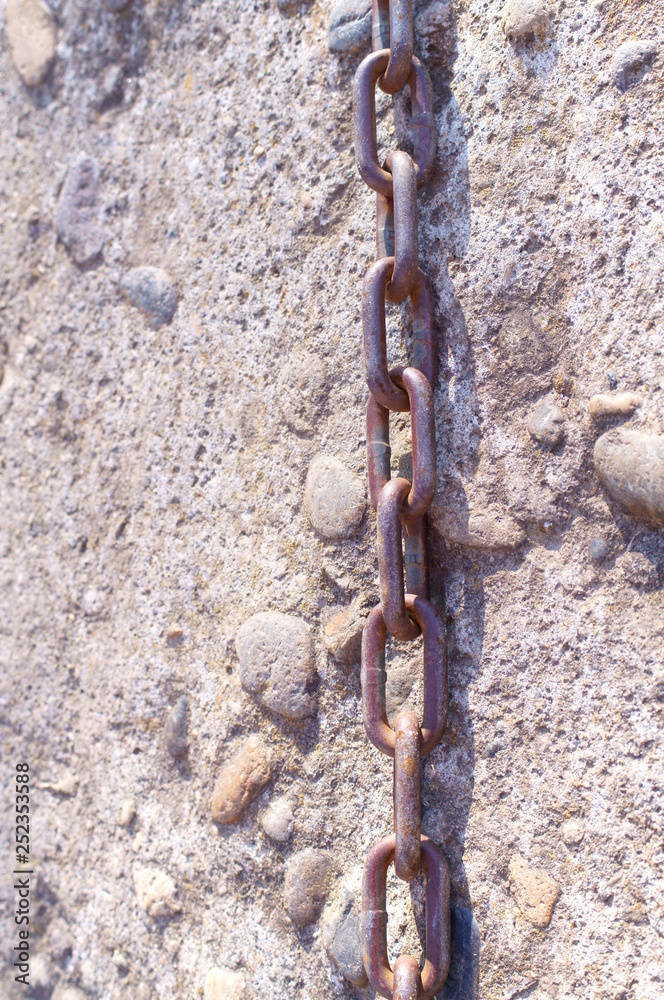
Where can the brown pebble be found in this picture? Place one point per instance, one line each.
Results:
(534, 891)
(342, 632)
(174, 635)
(240, 781)
(306, 886)
(606, 404)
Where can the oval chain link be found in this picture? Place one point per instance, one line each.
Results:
(400, 505)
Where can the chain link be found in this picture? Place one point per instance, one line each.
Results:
(401, 506)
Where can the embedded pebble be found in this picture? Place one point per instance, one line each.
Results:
(220, 984)
(175, 730)
(302, 388)
(32, 36)
(66, 785)
(306, 886)
(572, 832)
(111, 84)
(174, 635)
(482, 530)
(606, 404)
(151, 290)
(534, 891)
(276, 657)
(398, 687)
(630, 466)
(629, 59)
(155, 892)
(547, 425)
(350, 26)
(77, 220)
(342, 936)
(334, 498)
(342, 630)
(240, 781)
(277, 820)
(598, 549)
(68, 993)
(127, 812)
(524, 17)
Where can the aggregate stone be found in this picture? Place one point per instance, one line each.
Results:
(629, 61)
(174, 635)
(127, 812)
(342, 935)
(277, 820)
(31, 33)
(156, 892)
(598, 549)
(306, 885)
(276, 657)
(342, 630)
(534, 891)
(151, 290)
(78, 222)
(630, 466)
(572, 832)
(175, 729)
(302, 388)
(350, 26)
(524, 17)
(240, 781)
(547, 425)
(334, 498)
(606, 404)
(486, 530)
(221, 984)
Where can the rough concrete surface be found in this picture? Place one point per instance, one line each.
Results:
(150, 481)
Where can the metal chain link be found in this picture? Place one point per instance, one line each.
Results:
(401, 506)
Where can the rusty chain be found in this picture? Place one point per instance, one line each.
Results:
(401, 506)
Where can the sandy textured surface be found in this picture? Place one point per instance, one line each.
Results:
(151, 482)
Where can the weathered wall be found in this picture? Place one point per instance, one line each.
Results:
(153, 480)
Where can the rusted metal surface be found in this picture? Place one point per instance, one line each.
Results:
(401, 507)
(434, 655)
(390, 560)
(364, 118)
(437, 919)
(374, 336)
(392, 27)
(407, 798)
(404, 222)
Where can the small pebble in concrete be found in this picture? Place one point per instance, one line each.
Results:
(77, 219)
(156, 892)
(342, 935)
(630, 60)
(598, 549)
(111, 84)
(276, 657)
(127, 812)
(342, 631)
(32, 36)
(630, 466)
(306, 886)
(66, 784)
(151, 290)
(334, 498)
(175, 730)
(174, 634)
(534, 891)
(221, 984)
(277, 820)
(572, 832)
(546, 425)
(350, 26)
(611, 379)
(619, 404)
(302, 388)
(524, 17)
(240, 781)
(115, 6)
